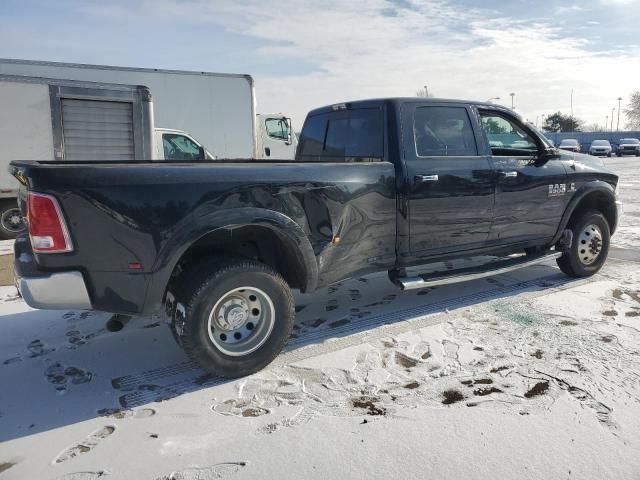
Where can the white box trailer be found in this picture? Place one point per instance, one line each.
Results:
(51, 119)
(218, 109)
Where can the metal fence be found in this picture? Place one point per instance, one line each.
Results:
(585, 138)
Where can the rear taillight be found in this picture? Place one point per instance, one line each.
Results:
(47, 228)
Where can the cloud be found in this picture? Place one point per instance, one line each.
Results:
(304, 54)
(361, 50)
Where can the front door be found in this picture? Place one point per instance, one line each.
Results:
(277, 138)
(530, 194)
(450, 185)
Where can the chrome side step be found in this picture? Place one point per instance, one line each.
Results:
(471, 273)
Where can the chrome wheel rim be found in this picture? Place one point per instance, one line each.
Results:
(589, 244)
(241, 321)
(12, 221)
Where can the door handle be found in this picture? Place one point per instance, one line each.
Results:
(427, 178)
(508, 174)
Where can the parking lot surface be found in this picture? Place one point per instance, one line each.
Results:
(523, 375)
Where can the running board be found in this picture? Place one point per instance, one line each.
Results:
(471, 273)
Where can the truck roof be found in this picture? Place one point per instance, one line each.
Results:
(17, 61)
(378, 102)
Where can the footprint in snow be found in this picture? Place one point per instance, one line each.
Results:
(120, 414)
(60, 375)
(84, 475)
(85, 445)
(220, 470)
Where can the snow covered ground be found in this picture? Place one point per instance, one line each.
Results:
(528, 375)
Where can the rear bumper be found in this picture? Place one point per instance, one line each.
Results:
(47, 290)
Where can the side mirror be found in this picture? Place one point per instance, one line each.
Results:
(287, 124)
(549, 153)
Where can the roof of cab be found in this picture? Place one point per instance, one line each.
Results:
(379, 102)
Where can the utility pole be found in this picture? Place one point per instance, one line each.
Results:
(512, 95)
(618, 124)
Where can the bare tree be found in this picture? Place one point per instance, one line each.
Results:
(593, 127)
(633, 111)
(424, 93)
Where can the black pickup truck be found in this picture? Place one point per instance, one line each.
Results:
(377, 185)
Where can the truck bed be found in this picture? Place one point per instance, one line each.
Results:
(149, 213)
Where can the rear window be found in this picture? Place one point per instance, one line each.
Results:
(343, 135)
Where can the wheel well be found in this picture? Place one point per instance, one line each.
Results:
(596, 201)
(259, 243)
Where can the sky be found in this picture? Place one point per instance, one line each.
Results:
(305, 54)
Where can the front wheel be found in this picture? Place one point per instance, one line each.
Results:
(235, 317)
(11, 221)
(590, 245)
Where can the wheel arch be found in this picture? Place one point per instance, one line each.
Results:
(265, 235)
(597, 195)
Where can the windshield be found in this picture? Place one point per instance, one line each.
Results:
(629, 140)
(601, 143)
(569, 142)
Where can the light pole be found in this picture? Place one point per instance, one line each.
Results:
(490, 100)
(618, 124)
(426, 92)
(572, 104)
(512, 95)
(612, 110)
(606, 122)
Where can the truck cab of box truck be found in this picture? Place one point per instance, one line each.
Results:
(275, 138)
(176, 145)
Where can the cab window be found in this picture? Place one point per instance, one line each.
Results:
(443, 132)
(505, 137)
(180, 148)
(343, 136)
(277, 128)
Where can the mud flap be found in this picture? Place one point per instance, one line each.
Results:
(179, 319)
(170, 307)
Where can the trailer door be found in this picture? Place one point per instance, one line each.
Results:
(97, 130)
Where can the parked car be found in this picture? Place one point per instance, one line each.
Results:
(377, 185)
(570, 144)
(600, 148)
(628, 146)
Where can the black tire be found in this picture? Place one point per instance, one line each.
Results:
(204, 287)
(9, 228)
(580, 260)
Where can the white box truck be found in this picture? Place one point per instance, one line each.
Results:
(51, 119)
(216, 108)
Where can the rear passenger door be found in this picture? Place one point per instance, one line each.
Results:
(450, 185)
